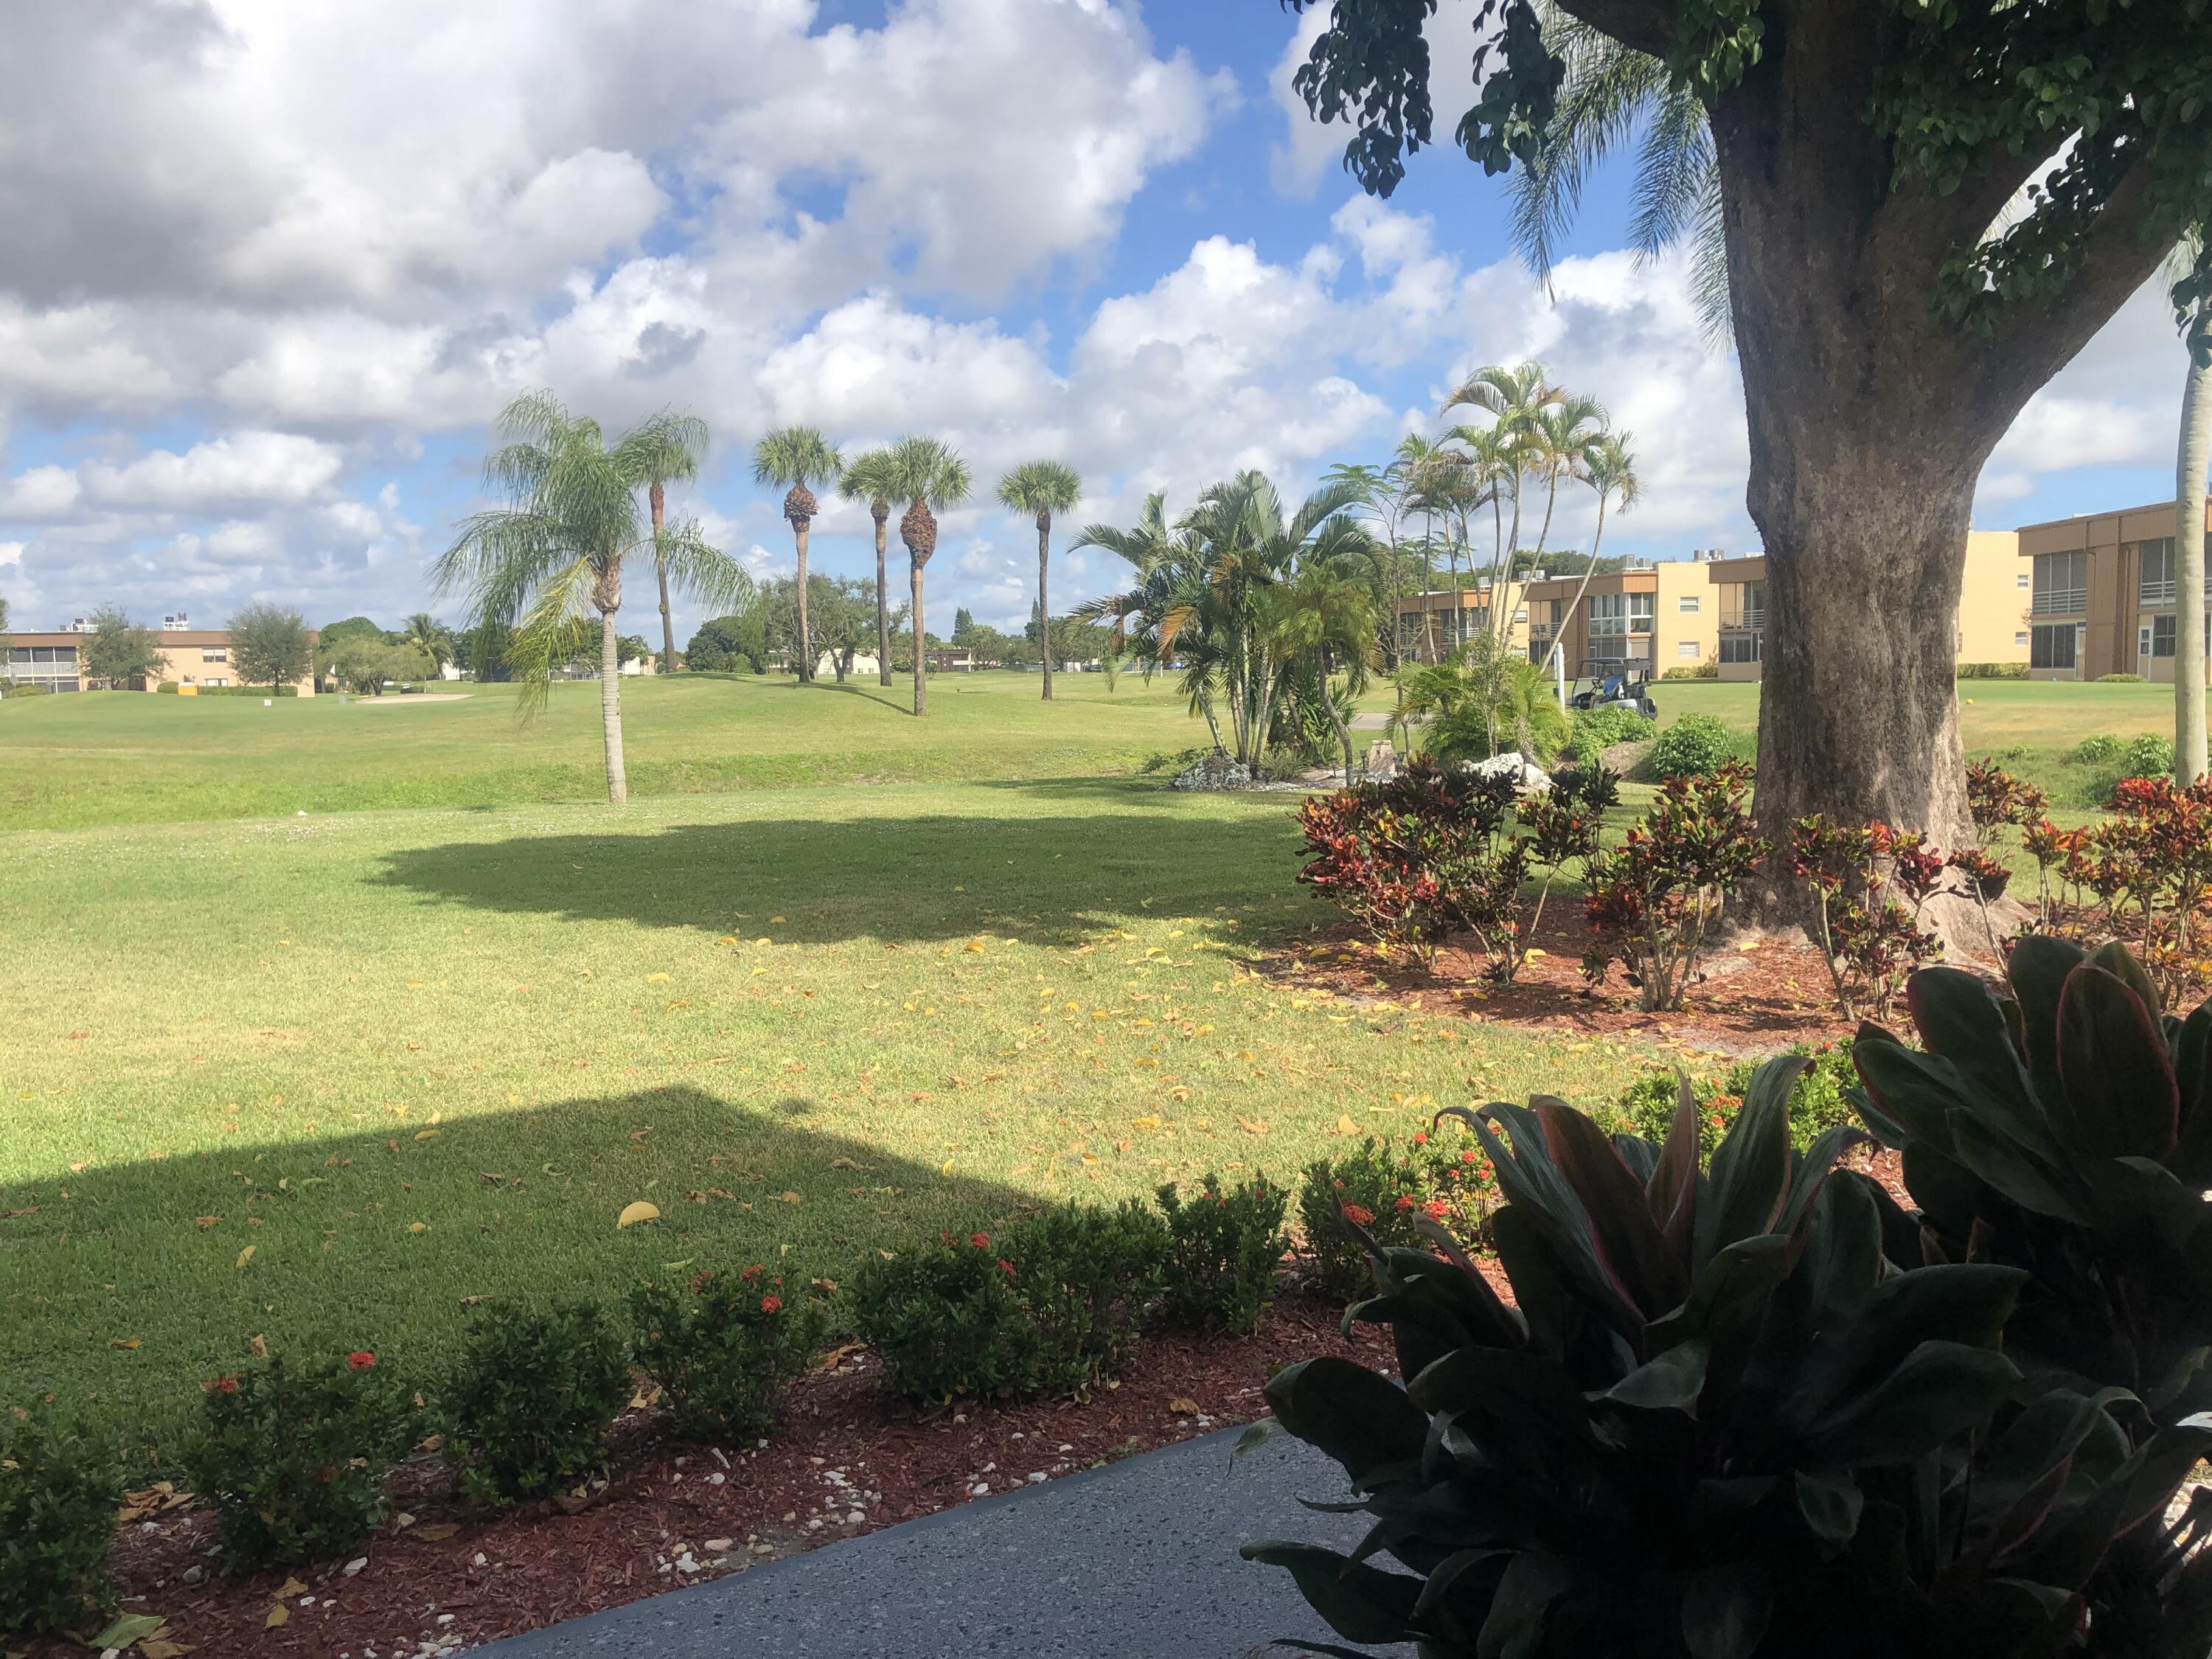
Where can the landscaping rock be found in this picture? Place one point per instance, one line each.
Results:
(1527, 776)
(1214, 771)
(1381, 761)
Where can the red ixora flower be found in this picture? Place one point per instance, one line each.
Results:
(1006, 1266)
(771, 1303)
(701, 1279)
(1436, 1209)
(981, 1240)
(361, 1359)
(1420, 1138)
(1360, 1213)
(1405, 1202)
(752, 1272)
(225, 1385)
(1469, 1157)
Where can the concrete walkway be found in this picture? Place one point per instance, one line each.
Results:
(1137, 1560)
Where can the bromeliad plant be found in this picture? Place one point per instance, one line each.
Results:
(1732, 1416)
(1870, 884)
(1653, 901)
(2065, 1129)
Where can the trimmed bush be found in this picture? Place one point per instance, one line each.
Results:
(1225, 1250)
(294, 1460)
(1382, 1187)
(528, 1409)
(945, 1319)
(58, 1503)
(1993, 670)
(1694, 747)
(2119, 679)
(1818, 1100)
(2101, 750)
(2149, 755)
(1085, 1276)
(720, 1347)
(247, 691)
(25, 690)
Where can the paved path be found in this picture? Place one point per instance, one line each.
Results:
(1137, 1560)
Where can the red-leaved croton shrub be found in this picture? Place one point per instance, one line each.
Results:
(1999, 801)
(1869, 887)
(1652, 901)
(2142, 876)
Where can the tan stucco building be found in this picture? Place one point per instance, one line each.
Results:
(1991, 626)
(2096, 594)
(189, 657)
(1433, 625)
(1648, 617)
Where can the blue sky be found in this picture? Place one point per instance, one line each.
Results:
(276, 267)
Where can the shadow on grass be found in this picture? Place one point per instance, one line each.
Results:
(513, 1207)
(1054, 880)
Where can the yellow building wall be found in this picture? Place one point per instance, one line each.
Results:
(1680, 638)
(1992, 603)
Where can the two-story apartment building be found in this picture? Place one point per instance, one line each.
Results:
(2097, 594)
(189, 657)
(1647, 617)
(1433, 625)
(1990, 629)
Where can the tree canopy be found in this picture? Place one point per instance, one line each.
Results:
(269, 645)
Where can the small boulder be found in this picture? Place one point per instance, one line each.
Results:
(1527, 776)
(1214, 771)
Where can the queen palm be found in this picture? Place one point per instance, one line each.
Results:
(668, 449)
(868, 478)
(1608, 466)
(929, 475)
(557, 551)
(1042, 488)
(1515, 399)
(799, 457)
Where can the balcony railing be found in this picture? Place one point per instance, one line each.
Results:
(2158, 592)
(2060, 602)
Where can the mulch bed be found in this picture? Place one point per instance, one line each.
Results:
(1756, 992)
(846, 1460)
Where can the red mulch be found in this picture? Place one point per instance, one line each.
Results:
(1755, 994)
(451, 1577)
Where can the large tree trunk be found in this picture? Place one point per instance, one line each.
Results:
(2196, 453)
(610, 710)
(799, 530)
(658, 496)
(883, 609)
(921, 656)
(1044, 598)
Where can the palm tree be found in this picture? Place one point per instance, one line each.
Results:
(1041, 488)
(1515, 398)
(1319, 621)
(868, 478)
(2190, 759)
(800, 458)
(557, 551)
(1608, 466)
(929, 475)
(424, 633)
(668, 449)
(1555, 447)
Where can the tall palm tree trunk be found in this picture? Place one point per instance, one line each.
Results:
(2189, 739)
(806, 640)
(659, 497)
(1044, 602)
(921, 655)
(1560, 640)
(610, 710)
(883, 607)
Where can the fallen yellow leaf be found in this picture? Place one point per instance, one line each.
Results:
(277, 1616)
(773, 920)
(122, 1341)
(246, 1255)
(443, 1529)
(418, 1227)
(789, 1198)
(633, 1213)
(1250, 1127)
(1345, 1126)
(1185, 1407)
(656, 979)
(290, 1587)
(427, 1134)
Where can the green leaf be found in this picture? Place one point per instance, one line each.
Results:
(1521, 1608)
(2114, 1064)
(1725, 1611)
(1670, 1382)
(1942, 1390)
(1959, 1020)
(1831, 1501)
(1751, 1166)
(1256, 1435)
(2192, 1076)
(129, 1628)
(2116, 959)
(1361, 1603)
(1627, 1239)
(2038, 970)
(1917, 1093)
(1672, 1193)
(1362, 1420)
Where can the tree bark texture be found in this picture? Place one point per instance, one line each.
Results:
(883, 608)
(658, 496)
(1044, 600)
(2196, 455)
(800, 528)
(610, 710)
(920, 657)
(1870, 416)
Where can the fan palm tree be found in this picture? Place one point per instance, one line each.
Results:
(868, 478)
(1043, 489)
(668, 448)
(557, 551)
(799, 457)
(929, 475)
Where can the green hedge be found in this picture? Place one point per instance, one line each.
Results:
(1993, 670)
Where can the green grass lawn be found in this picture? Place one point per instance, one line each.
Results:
(414, 1058)
(125, 757)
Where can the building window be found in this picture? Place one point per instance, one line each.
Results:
(215, 656)
(2020, 638)
(2157, 571)
(215, 679)
(1743, 604)
(1689, 604)
(1686, 649)
(2051, 644)
(1621, 613)
(1740, 647)
(2161, 637)
(1522, 615)
(2020, 580)
(2061, 588)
